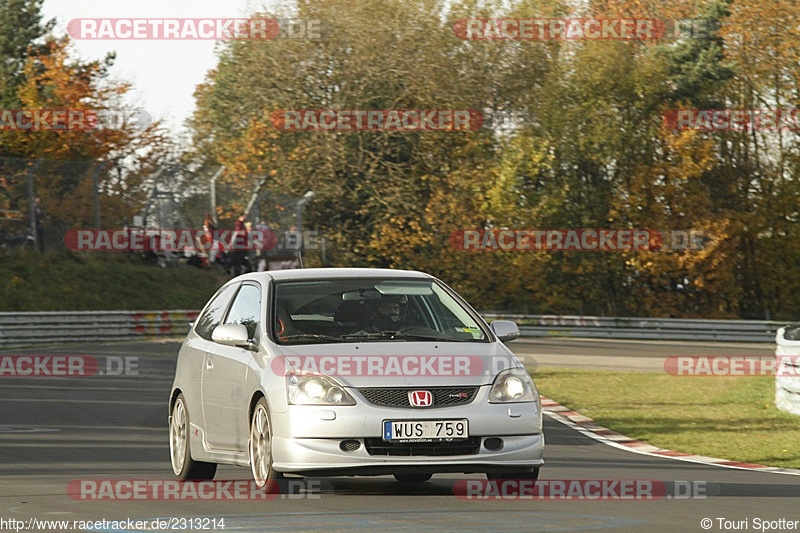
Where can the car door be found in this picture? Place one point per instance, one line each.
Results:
(224, 381)
(195, 350)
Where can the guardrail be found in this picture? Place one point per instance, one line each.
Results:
(21, 329)
(55, 327)
(642, 328)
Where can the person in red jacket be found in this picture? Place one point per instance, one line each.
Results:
(238, 244)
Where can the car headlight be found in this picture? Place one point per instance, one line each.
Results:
(316, 389)
(513, 385)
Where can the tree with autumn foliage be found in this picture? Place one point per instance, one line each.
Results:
(596, 152)
(41, 71)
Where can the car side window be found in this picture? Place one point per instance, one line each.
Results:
(216, 310)
(246, 309)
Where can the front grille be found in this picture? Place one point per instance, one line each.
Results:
(469, 446)
(442, 396)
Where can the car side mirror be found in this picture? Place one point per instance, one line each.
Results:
(231, 335)
(505, 330)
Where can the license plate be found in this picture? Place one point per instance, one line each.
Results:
(425, 430)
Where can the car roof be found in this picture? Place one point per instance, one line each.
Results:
(328, 273)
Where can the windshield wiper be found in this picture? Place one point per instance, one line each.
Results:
(428, 338)
(395, 335)
(311, 336)
(382, 335)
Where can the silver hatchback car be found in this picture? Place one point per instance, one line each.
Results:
(349, 371)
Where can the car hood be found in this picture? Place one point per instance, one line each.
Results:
(399, 364)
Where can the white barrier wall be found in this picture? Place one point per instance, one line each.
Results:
(787, 386)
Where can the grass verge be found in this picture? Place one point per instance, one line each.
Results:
(732, 418)
(69, 281)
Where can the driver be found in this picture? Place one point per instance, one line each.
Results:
(389, 313)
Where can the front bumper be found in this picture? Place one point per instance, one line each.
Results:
(306, 439)
(324, 457)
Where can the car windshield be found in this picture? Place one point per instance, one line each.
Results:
(370, 310)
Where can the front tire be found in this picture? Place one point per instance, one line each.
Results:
(261, 446)
(180, 451)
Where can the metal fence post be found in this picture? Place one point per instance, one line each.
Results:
(32, 204)
(213, 187)
(96, 192)
(307, 197)
(96, 197)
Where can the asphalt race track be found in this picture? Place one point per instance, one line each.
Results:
(55, 430)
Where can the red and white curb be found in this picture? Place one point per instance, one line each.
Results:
(588, 427)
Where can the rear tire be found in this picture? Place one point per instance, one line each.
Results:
(183, 466)
(522, 476)
(412, 478)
